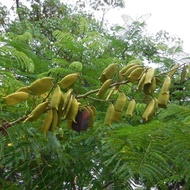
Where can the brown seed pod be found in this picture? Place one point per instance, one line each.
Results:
(82, 120)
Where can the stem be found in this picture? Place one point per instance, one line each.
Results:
(98, 100)
(171, 70)
(96, 90)
(18, 11)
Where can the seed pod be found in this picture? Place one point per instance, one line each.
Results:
(16, 98)
(109, 72)
(131, 107)
(56, 98)
(135, 74)
(60, 111)
(68, 106)
(40, 86)
(117, 116)
(109, 115)
(163, 100)
(71, 115)
(150, 87)
(54, 123)
(183, 74)
(120, 102)
(149, 110)
(102, 78)
(103, 89)
(82, 121)
(130, 70)
(110, 93)
(188, 70)
(66, 98)
(141, 82)
(166, 85)
(149, 75)
(127, 67)
(173, 70)
(92, 116)
(37, 112)
(24, 89)
(47, 122)
(68, 80)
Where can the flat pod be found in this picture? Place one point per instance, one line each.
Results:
(163, 100)
(69, 80)
(110, 71)
(131, 107)
(149, 110)
(68, 106)
(135, 74)
(166, 85)
(120, 102)
(66, 98)
(56, 98)
(117, 116)
(71, 115)
(24, 89)
(16, 98)
(140, 84)
(183, 74)
(150, 87)
(103, 89)
(82, 121)
(130, 70)
(92, 115)
(40, 86)
(127, 67)
(109, 115)
(37, 112)
(47, 122)
(149, 75)
(54, 123)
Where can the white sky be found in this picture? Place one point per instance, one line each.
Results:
(170, 15)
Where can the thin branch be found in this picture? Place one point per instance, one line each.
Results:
(98, 100)
(18, 11)
(163, 73)
(5, 124)
(96, 90)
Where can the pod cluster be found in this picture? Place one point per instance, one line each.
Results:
(60, 103)
(145, 80)
(57, 105)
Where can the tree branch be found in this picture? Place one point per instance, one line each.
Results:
(18, 11)
(96, 90)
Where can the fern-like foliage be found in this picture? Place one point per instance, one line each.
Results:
(24, 62)
(175, 111)
(29, 159)
(151, 155)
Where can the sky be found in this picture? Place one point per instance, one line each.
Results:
(172, 16)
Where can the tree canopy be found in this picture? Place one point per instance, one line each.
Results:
(89, 106)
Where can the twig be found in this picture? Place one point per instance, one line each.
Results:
(96, 90)
(171, 70)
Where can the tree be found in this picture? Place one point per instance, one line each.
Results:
(51, 42)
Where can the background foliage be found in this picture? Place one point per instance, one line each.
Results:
(43, 39)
